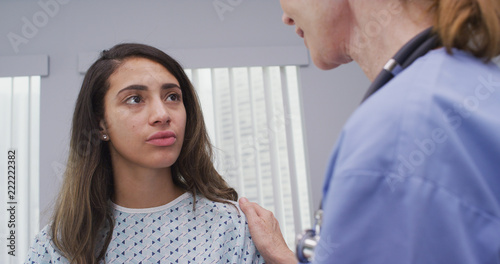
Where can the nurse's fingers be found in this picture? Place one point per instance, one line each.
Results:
(253, 211)
(247, 207)
(266, 233)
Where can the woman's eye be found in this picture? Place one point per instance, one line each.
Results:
(173, 97)
(133, 99)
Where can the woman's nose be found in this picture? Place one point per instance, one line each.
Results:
(287, 20)
(159, 113)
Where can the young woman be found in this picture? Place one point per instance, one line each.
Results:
(140, 186)
(414, 176)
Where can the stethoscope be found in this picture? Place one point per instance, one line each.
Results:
(415, 48)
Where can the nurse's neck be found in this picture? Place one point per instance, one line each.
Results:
(379, 31)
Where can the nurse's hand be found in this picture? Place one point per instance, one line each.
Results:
(266, 234)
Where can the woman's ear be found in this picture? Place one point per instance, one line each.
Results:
(103, 130)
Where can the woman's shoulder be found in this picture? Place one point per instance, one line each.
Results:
(226, 224)
(42, 249)
(228, 211)
(225, 207)
(44, 236)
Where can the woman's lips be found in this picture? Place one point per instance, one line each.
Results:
(162, 138)
(299, 32)
(162, 142)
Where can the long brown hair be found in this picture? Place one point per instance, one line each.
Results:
(469, 25)
(82, 208)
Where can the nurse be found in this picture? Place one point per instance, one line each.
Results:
(415, 174)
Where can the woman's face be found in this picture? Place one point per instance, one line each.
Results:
(325, 27)
(145, 116)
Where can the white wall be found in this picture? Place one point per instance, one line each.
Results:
(76, 27)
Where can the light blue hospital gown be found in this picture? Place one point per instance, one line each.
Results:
(172, 233)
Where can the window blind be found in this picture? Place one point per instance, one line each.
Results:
(19, 139)
(253, 117)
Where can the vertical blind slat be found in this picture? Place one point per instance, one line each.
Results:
(20, 120)
(273, 149)
(34, 151)
(11, 113)
(27, 195)
(236, 132)
(215, 96)
(256, 149)
(291, 151)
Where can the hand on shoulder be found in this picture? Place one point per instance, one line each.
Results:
(266, 234)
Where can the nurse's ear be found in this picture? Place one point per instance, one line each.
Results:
(103, 131)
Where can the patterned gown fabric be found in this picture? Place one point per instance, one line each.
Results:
(172, 233)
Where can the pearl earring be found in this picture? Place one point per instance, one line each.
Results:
(105, 137)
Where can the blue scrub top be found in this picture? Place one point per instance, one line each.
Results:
(415, 174)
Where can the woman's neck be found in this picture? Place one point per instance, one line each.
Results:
(137, 187)
(379, 31)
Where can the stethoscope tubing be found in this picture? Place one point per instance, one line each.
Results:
(410, 52)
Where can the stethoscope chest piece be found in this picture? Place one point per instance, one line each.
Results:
(308, 240)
